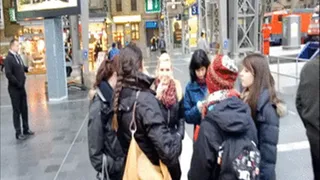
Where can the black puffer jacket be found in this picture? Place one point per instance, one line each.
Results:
(229, 118)
(174, 117)
(101, 138)
(153, 135)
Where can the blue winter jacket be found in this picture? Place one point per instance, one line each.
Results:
(267, 122)
(193, 93)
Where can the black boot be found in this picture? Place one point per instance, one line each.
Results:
(20, 137)
(28, 133)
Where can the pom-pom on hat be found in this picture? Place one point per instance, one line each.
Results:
(221, 74)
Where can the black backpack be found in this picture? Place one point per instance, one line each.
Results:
(239, 159)
(113, 161)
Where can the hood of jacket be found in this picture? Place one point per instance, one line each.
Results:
(264, 98)
(232, 115)
(139, 82)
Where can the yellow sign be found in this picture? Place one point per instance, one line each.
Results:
(190, 2)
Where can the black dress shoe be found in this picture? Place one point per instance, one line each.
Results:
(20, 137)
(28, 133)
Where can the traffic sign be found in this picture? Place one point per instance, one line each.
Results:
(194, 9)
(152, 6)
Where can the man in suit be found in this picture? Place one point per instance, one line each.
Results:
(15, 72)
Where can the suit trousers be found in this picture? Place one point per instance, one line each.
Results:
(20, 107)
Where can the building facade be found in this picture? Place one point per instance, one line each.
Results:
(131, 23)
(284, 4)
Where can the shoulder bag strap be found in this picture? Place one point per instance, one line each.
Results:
(133, 124)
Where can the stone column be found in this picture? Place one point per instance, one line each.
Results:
(55, 60)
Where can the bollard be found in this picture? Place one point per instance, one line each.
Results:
(266, 31)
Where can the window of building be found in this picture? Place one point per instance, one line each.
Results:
(119, 5)
(135, 35)
(133, 5)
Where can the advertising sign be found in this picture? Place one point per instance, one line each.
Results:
(12, 15)
(153, 6)
(46, 8)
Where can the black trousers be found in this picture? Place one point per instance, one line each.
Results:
(20, 107)
(314, 138)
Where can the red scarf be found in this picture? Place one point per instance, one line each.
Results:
(169, 96)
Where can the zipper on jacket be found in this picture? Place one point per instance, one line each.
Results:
(168, 116)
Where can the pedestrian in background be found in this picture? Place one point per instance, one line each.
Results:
(169, 94)
(135, 101)
(196, 89)
(307, 103)
(226, 117)
(203, 44)
(266, 108)
(15, 73)
(113, 52)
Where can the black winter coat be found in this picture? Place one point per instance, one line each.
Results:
(267, 122)
(174, 117)
(153, 135)
(101, 138)
(230, 117)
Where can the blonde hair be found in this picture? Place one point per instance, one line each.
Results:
(163, 58)
(166, 58)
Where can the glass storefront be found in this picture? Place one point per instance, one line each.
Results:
(32, 48)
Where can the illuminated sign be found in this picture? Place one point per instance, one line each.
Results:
(46, 8)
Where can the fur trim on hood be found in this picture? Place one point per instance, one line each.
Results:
(281, 109)
(91, 94)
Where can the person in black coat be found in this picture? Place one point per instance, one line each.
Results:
(266, 109)
(15, 73)
(101, 138)
(307, 103)
(169, 94)
(152, 135)
(225, 116)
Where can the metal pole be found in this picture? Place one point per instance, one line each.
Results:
(74, 39)
(85, 39)
(278, 71)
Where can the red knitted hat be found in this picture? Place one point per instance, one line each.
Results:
(221, 74)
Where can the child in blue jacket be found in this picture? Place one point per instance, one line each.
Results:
(196, 90)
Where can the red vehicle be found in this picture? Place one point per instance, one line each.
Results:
(274, 21)
(313, 29)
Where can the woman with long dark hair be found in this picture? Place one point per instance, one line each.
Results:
(266, 108)
(196, 90)
(102, 140)
(152, 133)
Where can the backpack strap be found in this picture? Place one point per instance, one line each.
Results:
(133, 123)
(99, 93)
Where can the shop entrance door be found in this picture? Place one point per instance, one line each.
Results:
(150, 33)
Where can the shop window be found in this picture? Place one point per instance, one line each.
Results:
(135, 35)
(119, 5)
(133, 5)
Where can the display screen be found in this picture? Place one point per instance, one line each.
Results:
(46, 8)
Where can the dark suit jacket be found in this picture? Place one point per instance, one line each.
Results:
(15, 72)
(307, 100)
